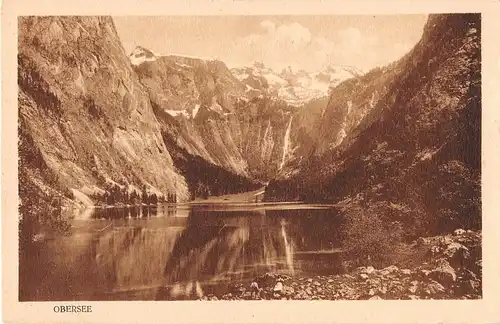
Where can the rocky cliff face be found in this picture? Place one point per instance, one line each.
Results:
(84, 114)
(210, 113)
(93, 119)
(194, 107)
(407, 135)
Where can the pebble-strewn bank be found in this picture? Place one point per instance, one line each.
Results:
(450, 269)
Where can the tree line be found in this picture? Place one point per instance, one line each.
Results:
(204, 178)
(120, 195)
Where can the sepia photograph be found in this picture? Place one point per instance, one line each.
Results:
(249, 157)
(250, 161)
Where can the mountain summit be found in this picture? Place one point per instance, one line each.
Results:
(295, 88)
(140, 55)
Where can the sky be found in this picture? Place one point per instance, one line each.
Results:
(302, 42)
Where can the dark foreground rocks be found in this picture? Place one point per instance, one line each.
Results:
(451, 269)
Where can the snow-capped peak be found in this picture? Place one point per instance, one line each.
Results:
(295, 87)
(140, 55)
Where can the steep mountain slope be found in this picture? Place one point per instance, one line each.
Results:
(93, 120)
(204, 178)
(321, 129)
(417, 146)
(86, 117)
(208, 112)
(184, 89)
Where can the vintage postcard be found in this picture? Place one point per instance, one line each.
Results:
(250, 162)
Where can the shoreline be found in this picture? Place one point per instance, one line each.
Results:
(451, 269)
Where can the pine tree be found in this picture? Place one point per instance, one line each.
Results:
(110, 199)
(114, 194)
(124, 195)
(144, 195)
(133, 197)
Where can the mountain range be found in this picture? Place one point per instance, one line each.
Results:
(295, 88)
(93, 118)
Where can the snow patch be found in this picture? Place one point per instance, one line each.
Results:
(274, 79)
(427, 154)
(349, 107)
(216, 107)
(304, 81)
(183, 65)
(240, 77)
(249, 88)
(297, 88)
(372, 99)
(140, 60)
(176, 113)
(472, 31)
(140, 55)
(195, 110)
(341, 135)
(322, 87)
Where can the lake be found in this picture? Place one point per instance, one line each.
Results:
(173, 251)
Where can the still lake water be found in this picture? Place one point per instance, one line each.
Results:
(172, 251)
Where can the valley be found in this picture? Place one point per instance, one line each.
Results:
(120, 153)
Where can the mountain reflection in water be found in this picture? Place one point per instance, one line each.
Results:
(179, 252)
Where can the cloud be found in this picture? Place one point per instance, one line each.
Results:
(268, 25)
(279, 46)
(353, 42)
(285, 37)
(292, 44)
(295, 34)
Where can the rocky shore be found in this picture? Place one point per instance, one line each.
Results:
(447, 267)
